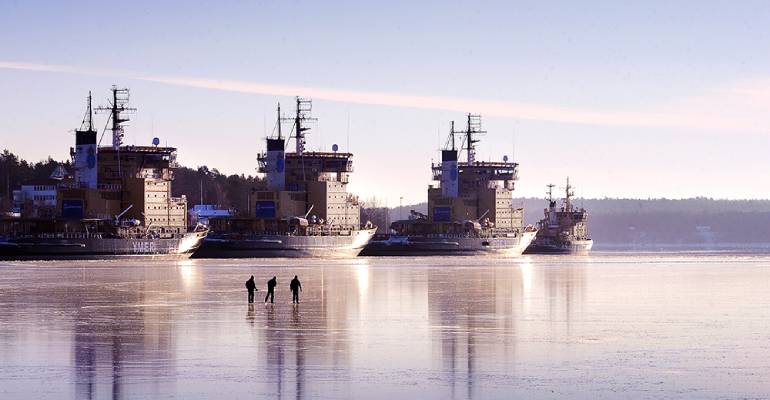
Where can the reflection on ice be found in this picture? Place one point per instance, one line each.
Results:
(525, 267)
(362, 275)
(187, 273)
(385, 328)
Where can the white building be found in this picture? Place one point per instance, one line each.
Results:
(35, 197)
(38, 198)
(201, 213)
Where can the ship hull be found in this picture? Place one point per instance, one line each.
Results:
(73, 248)
(269, 246)
(446, 246)
(575, 247)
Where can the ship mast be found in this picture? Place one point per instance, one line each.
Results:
(279, 121)
(550, 192)
(88, 119)
(568, 196)
(450, 143)
(304, 108)
(473, 127)
(118, 110)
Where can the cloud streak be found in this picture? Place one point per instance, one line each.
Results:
(698, 112)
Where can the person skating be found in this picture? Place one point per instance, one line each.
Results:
(295, 287)
(251, 286)
(270, 289)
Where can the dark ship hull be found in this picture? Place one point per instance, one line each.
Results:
(575, 247)
(292, 246)
(449, 245)
(58, 247)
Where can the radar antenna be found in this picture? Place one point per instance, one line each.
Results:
(118, 109)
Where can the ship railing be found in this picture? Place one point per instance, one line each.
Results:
(262, 162)
(72, 185)
(83, 185)
(333, 230)
(346, 231)
(436, 168)
(152, 235)
(99, 235)
(179, 200)
(109, 186)
(352, 199)
(480, 235)
(69, 235)
(154, 173)
(332, 177)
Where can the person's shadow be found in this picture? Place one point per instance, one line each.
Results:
(250, 316)
(299, 346)
(295, 315)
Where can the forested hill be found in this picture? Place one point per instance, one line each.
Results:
(699, 220)
(611, 221)
(205, 186)
(14, 171)
(650, 222)
(210, 185)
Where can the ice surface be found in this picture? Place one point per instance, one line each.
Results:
(605, 326)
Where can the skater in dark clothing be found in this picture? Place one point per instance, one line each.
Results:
(270, 290)
(295, 287)
(251, 286)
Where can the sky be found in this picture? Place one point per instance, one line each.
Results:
(628, 99)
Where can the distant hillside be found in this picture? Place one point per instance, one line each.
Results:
(14, 171)
(698, 221)
(612, 222)
(200, 184)
(209, 186)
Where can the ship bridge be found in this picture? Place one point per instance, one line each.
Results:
(494, 171)
(481, 174)
(138, 161)
(313, 166)
(320, 160)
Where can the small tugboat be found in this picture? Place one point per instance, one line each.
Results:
(117, 204)
(306, 210)
(562, 230)
(470, 212)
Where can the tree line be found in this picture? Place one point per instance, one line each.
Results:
(638, 221)
(209, 186)
(15, 171)
(201, 185)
